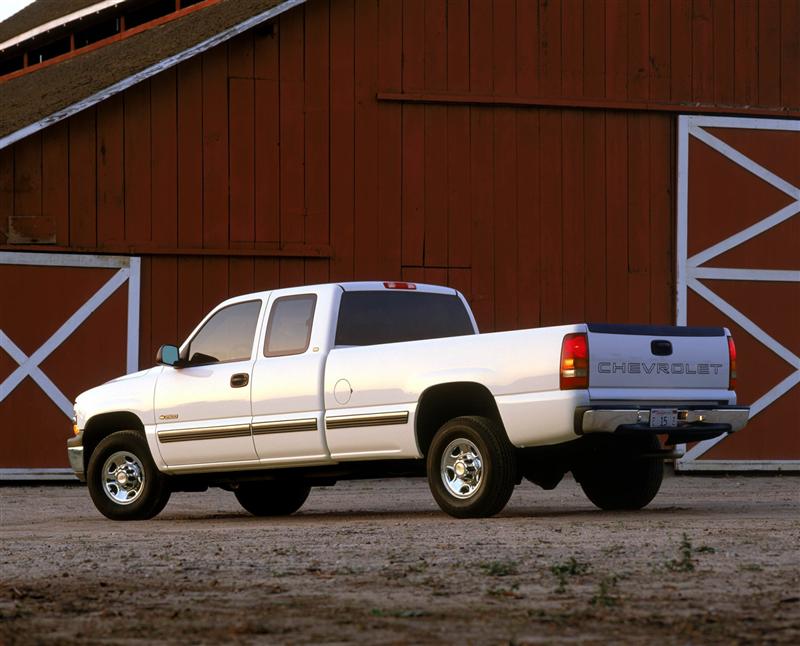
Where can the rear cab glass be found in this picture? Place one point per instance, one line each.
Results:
(378, 317)
(289, 327)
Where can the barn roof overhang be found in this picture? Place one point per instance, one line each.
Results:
(60, 21)
(38, 14)
(59, 35)
(42, 98)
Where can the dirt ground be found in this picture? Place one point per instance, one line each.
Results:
(711, 560)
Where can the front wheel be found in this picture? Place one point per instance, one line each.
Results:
(123, 480)
(471, 467)
(272, 498)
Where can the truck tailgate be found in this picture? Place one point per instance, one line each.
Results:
(663, 357)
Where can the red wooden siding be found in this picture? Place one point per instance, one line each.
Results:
(276, 143)
(677, 55)
(39, 426)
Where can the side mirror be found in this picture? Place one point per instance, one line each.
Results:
(168, 355)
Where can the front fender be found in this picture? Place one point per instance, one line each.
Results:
(131, 393)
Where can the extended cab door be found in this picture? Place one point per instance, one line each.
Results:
(203, 410)
(287, 377)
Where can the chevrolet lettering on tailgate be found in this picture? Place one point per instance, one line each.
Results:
(642, 368)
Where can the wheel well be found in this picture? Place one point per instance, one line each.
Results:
(101, 426)
(443, 402)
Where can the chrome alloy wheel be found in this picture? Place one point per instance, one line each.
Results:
(462, 468)
(123, 477)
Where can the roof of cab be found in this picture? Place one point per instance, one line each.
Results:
(354, 286)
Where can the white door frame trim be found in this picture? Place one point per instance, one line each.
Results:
(690, 269)
(128, 270)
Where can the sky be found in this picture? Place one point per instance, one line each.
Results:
(9, 7)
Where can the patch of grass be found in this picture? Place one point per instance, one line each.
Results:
(553, 617)
(604, 597)
(419, 566)
(402, 614)
(500, 568)
(505, 591)
(280, 573)
(287, 551)
(686, 561)
(750, 567)
(569, 568)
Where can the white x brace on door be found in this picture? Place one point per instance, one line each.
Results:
(691, 270)
(128, 271)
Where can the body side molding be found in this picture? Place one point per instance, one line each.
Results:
(373, 419)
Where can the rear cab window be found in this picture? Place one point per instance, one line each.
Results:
(378, 317)
(289, 328)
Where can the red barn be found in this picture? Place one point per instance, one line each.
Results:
(557, 161)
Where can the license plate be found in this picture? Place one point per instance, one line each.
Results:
(663, 417)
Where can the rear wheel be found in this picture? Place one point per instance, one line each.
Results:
(272, 498)
(471, 467)
(620, 478)
(123, 480)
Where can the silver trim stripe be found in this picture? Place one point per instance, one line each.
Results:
(237, 430)
(211, 433)
(285, 426)
(375, 419)
(282, 426)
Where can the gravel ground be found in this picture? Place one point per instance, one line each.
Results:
(711, 560)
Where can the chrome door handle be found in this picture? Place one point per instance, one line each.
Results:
(240, 380)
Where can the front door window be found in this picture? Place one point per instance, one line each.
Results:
(226, 336)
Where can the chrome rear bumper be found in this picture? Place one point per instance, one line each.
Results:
(693, 423)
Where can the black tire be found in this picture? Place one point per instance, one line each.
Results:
(146, 500)
(497, 472)
(272, 498)
(619, 478)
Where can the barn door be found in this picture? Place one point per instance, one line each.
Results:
(739, 266)
(66, 324)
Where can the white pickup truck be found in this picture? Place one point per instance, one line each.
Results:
(279, 391)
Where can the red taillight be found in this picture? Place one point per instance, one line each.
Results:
(397, 285)
(732, 357)
(574, 362)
